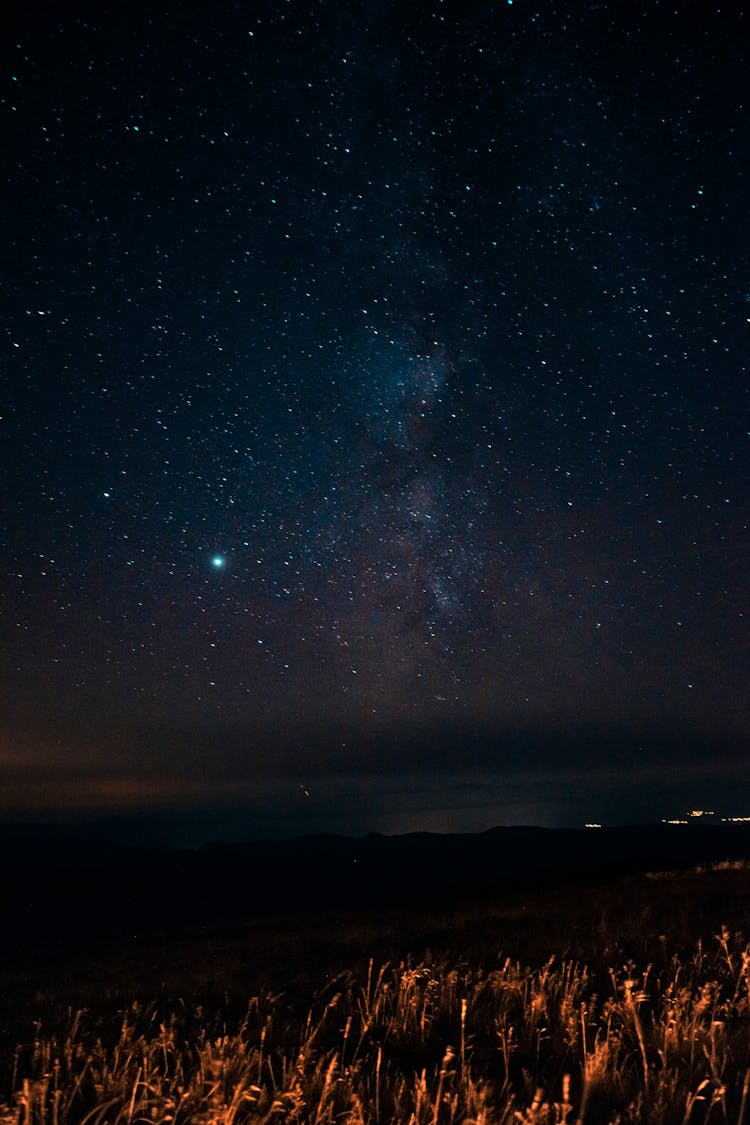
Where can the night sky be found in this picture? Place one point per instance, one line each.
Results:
(374, 413)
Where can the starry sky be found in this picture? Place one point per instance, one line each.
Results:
(374, 412)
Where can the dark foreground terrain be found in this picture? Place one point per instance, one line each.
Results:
(519, 975)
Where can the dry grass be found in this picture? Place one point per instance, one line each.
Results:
(418, 1044)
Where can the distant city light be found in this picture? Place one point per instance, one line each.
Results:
(709, 816)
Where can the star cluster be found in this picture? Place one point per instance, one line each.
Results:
(375, 376)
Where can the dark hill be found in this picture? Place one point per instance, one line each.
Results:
(58, 891)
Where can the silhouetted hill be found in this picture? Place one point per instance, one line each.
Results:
(62, 890)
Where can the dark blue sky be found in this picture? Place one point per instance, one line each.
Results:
(374, 428)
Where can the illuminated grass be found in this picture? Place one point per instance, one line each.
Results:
(418, 1044)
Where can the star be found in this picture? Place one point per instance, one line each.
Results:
(218, 562)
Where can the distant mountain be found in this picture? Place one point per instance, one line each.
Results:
(63, 886)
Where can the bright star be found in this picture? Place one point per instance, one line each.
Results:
(217, 562)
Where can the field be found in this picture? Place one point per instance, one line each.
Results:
(626, 1001)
